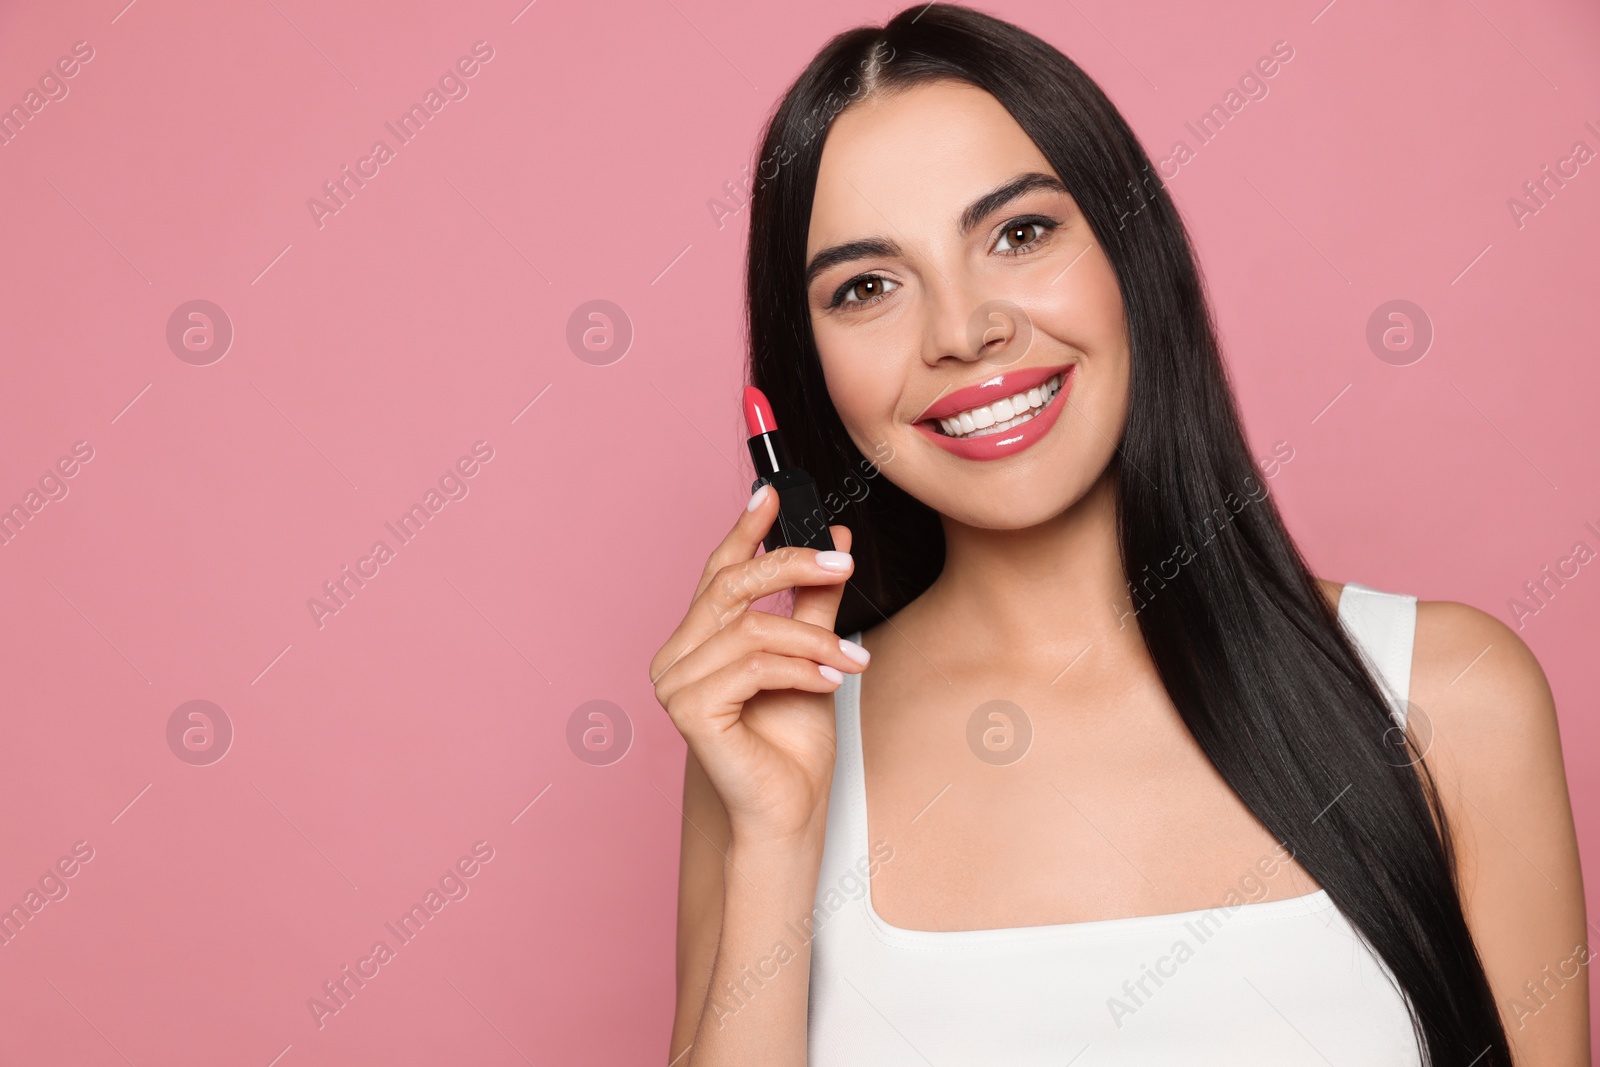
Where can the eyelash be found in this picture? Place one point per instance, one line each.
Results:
(1046, 226)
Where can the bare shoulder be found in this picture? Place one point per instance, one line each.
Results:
(1488, 700)
(1483, 715)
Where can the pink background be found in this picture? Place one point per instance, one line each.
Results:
(371, 352)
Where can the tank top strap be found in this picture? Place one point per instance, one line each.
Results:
(1383, 626)
(845, 839)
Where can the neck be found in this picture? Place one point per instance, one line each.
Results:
(1050, 590)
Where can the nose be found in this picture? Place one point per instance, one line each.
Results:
(962, 327)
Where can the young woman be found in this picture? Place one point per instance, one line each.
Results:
(1064, 755)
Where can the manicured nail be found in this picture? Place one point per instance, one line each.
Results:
(757, 497)
(832, 674)
(833, 561)
(854, 651)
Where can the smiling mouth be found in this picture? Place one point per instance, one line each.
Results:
(1001, 415)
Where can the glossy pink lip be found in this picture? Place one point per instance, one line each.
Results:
(1006, 383)
(1008, 442)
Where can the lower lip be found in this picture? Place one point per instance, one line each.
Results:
(1007, 442)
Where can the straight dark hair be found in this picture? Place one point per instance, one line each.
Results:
(1250, 652)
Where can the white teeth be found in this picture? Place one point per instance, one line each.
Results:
(1001, 414)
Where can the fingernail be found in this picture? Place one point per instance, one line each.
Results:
(757, 497)
(833, 561)
(854, 651)
(832, 674)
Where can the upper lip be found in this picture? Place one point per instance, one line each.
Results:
(1008, 382)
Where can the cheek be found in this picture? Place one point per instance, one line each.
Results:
(1083, 311)
(864, 387)
(1082, 305)
(1101, 300)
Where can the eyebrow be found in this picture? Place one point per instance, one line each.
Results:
(975, 213)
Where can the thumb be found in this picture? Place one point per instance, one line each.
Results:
(819, 604)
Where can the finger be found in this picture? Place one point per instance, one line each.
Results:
(738, 545)
(819, 604)
(760, 631)
(736, 587)
(731, 590)
(713, 704)
(741, 542)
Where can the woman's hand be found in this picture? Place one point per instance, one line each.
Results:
(750, 691)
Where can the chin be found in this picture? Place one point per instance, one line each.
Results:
(1007, 512)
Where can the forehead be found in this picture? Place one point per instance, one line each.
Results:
(913, 158)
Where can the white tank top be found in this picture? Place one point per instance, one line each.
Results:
(1282, 982)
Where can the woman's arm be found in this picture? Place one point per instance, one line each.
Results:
(1495, 753)
(704, 844)
(752, 695)
(756, 1005)
(728, 942)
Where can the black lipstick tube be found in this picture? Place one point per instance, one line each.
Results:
(802, 520)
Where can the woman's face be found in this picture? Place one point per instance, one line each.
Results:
(913, 357)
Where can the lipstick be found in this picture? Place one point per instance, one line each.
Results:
(1014, 385)
(802, 520)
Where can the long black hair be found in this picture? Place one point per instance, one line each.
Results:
(1249, 650)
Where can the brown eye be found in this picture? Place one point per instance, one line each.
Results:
(867, 289)
(1020, 235)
